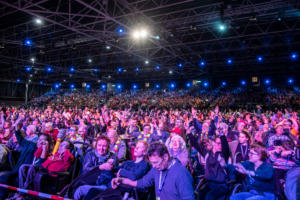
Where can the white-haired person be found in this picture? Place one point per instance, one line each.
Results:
(177, 149)
(31, 134)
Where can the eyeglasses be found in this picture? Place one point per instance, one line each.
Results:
(253, 153)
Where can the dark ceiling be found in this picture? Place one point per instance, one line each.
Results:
(74, 31)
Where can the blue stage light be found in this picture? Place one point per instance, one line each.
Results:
(56, 85)
(157, 86)
(202, 63)
(205, 84)
(41, 82)
(222, 27)
(290, 81)
(120, 30)
(294, 56)
(49, 69)
(180, 65)
(119, 86)
(18, 80)
(120, 69)
(28, 42)
(103, 86)
(137, 69)
(188, 85)
(224, 83)
(172, 85)
(88, 86)
(72, 86)
(243, 82)
(28, 69)
(229, 61)
(267, 81)
(134, 86)
(259, 58)
(157, 67)
(72, 69)
(96, 70)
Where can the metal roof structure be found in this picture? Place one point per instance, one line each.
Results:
(184, 38)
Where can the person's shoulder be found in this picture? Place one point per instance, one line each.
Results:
(267, 165)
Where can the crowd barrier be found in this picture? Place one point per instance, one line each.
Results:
(34, 193)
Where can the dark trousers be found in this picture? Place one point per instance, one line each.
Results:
(88, 178)
(217, 191)
(6, 177)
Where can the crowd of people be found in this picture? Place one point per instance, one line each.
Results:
(153, 145)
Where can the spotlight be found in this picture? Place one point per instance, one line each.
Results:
(157, 67)
(103, 86)
(18, 80)
(99, 81)
(202, 63)
(294, 56)
(243, 82)
(259, 58)
(134, 86)
(56, 85)
(172, 85)
(72, 69)
(72, 86)
(279, 19)
(119, 86)
(32, 60)
(64, 80)
(267, 81)
(290, 81)
(188, 85)
(41, 82)
(49, 69)
(146, 62)
(88, 86)
(108, 47)
(28, 42)
(224, 83)
(120, 69)
(180, 65)
(140, 34)
(28, 69)
(120, 30)
(222, 27)
(229, 61)
(90, 60)
(170, 72)
(156, 86)
(137, 69)
(157, 37)
(38, 21)
(96, 70)
(205, 84)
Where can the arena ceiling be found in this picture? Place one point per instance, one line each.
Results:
(185, 39)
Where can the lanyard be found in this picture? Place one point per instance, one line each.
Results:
(244, 153)
(162, 181)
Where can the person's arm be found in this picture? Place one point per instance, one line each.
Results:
(197, 125)
(225, 148)
(135, 174)
(184, 184)
(263, 173)
(88, 164)
(194, 143)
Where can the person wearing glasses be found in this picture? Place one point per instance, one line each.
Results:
(259, 175)
(172, 181)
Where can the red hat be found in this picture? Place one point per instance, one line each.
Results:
(176, 130)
